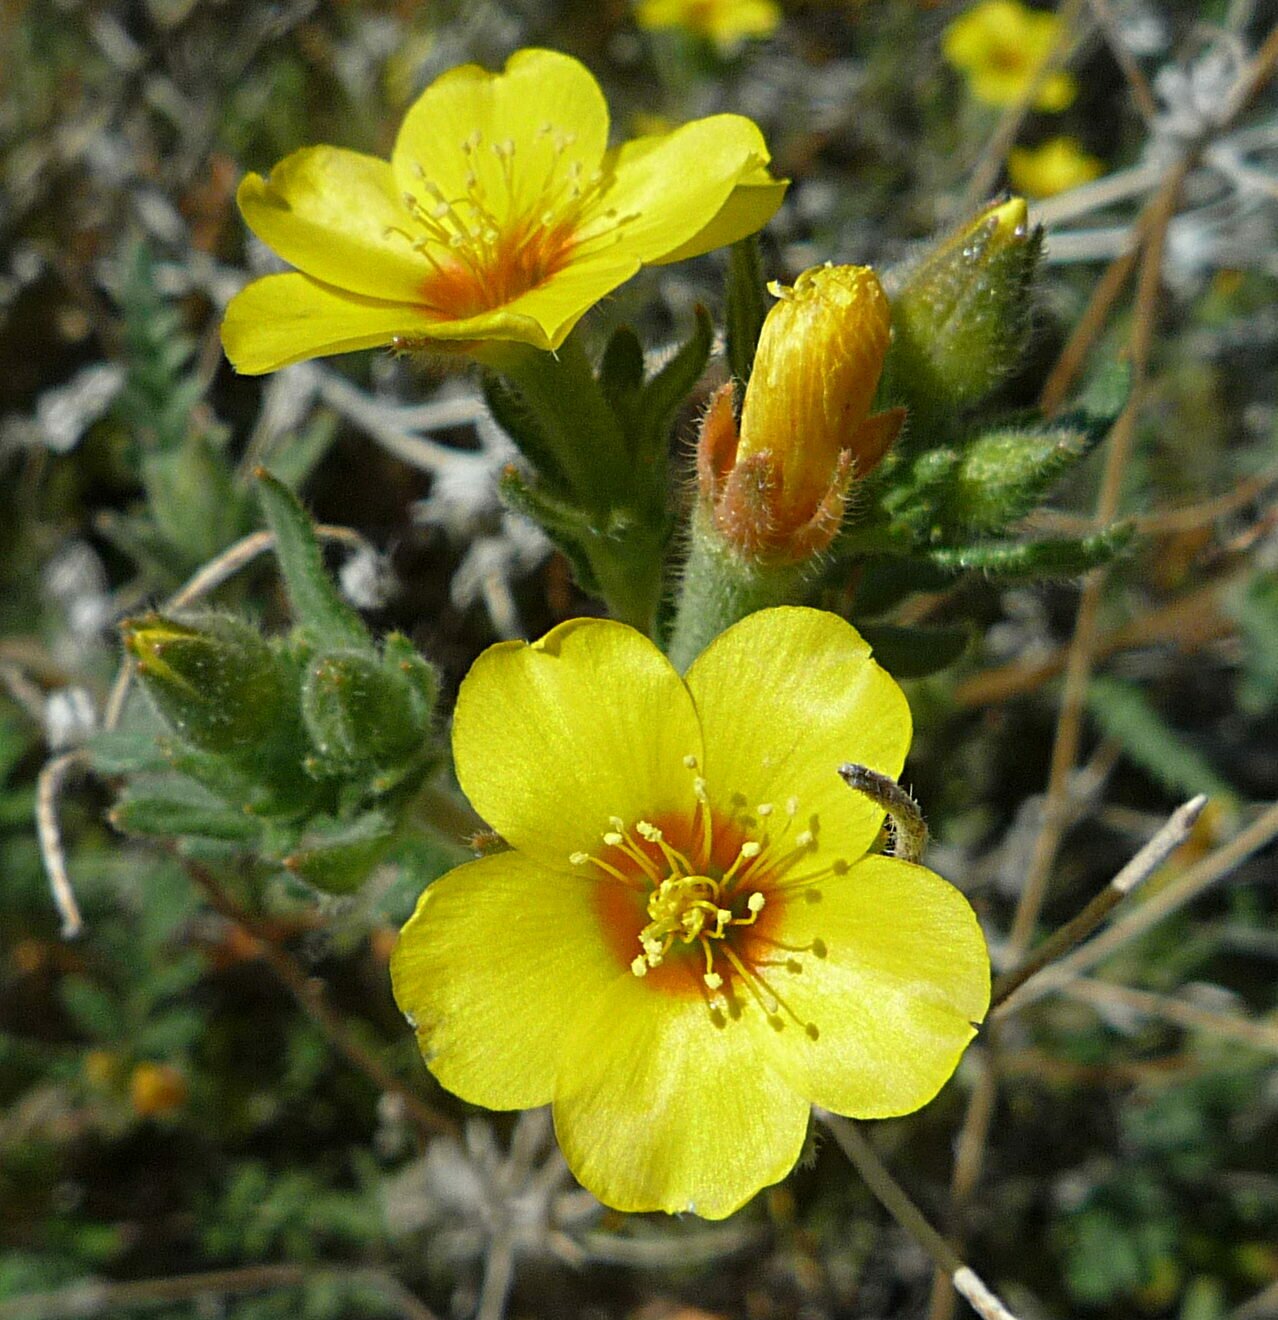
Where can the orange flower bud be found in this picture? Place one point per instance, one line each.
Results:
(156, 1088)
(778, 489)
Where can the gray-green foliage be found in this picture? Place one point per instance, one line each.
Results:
(302, 750)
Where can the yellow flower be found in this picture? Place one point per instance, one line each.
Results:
(1056, 166)
(690, 940)
(1000, 45)
(778, 490)
(501, 215)
(727, 23)
(157, 1088)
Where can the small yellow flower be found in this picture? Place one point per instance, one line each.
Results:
(727, 23)
(157, 1088)
(999, 46)
(690, 941)
(501, 215)
(1056, 166)
(778, 490)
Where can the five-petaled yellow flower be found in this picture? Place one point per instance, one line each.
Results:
(726, 23)
(501, 215)
(1000, 45)
(1054, 166)
(690, 941)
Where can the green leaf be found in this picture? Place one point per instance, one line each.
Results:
(321, 615)
(1004, 474)
(337, 858)
(1124, 714)
(177, 807)
(1031, 561)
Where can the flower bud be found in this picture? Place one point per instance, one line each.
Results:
(960, 314)
(214, 679)
(778, 489)
(362, 712)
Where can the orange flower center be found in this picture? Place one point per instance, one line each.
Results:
(690, 903)
(505, 234)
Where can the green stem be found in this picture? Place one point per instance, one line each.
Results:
(720, 588)
(586, 441)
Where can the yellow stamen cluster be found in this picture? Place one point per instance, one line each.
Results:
(500, 239)
(698, 902)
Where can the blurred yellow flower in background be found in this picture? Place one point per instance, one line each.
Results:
(999, 47)
(1055, 166)
(501, 215)
(727, 23)
(689, 942)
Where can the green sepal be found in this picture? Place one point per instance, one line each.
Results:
(319, 612)
(1027, 561)
(566, 525)
(337, 857)
(621, 369)
(176, 807)
(518, 420)
(214, 681)
(362, 712)
(907, 652)
(747, 306)
(647, 429)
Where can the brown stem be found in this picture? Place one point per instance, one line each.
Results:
(308, 991)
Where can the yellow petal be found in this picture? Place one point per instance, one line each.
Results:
(666, 185)
(544, 106)
(554, 739)
(492, 969)
(785, 697)
(892, 971)
(750, 205)
(282, 319)
(337, 216)
(657, 1108)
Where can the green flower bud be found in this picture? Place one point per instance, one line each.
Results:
(214, 680)
(960, 314)
(364, 713)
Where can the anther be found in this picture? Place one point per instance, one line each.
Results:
(713, 980)
(612, 839)
(646, 830)
(751, 848)
(803, 839)
(578, 858)
(765, 809)
(755, 902)
(690, 761)
(639, 966)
